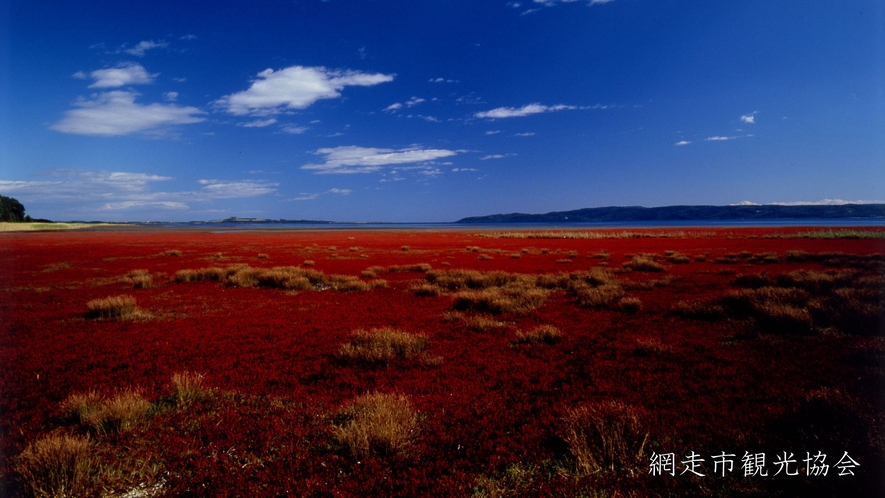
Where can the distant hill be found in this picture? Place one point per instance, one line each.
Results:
(689, 213)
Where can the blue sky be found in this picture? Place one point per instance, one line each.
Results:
(433, 111)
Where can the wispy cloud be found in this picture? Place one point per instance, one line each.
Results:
(718, 138)
(749, 118)
(495, 156)
(171, 96)
(825, 202)
(354, 159)
(295, 87)
(259, 123)
(115, 113)
(526, 134)
(100, 192)
(526, 110)
(143, 46)
(459, 170)
(682, 143)
(295, 130)
(312, 196)
(442, 80)
(128, 73)
(409, 103)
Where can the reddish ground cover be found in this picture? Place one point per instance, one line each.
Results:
(491, 410)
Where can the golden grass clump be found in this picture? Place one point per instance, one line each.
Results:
(417, 268)
(630, 304)
(140, 279)
(57, 466)
(113, 308)
(262, 256)
(775, 309)
(382, 345)
(308, 262)
(171, 252)
(187, 388)
(650, 346)
(426, 290)
(544, 334)
(482, 323)
(643, 262)
(116, 414)
(602, 295)
(377, 423)
(677, 258)
(405, 248)
(702, 310)
(564, 261)
(497, 300)
(485, 257)
(605, 437)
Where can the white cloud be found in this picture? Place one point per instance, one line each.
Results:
(310, 197)
(749, 118)
(495, 156)
(354, 159)
(259, 123)
(526, 110)
(682, 142)
(218, 189)
(189, 37)
(554, 2)
(124, 74)
(101, 194)
(718, 139)
(825, 202)
(526, 134)
(442, 80)
(143, 46)
(457, 170)
(295, 130)
(171, 96)
(493, 132)
(295, 87)
(80, 75)
(409, 103)
(116, 113)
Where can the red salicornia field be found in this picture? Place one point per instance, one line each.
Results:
(647, 362)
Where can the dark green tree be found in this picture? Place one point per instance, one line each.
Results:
(11, 209)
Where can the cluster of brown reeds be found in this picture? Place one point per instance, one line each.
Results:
(291, 278)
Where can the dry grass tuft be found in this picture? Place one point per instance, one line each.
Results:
(102, 415)
(605, 437)
(262, 256)
(630, 304)
(650, 346)
(497, 300)
(113, 308)
(380, 424)
(564, 261)
(140, 279)
(57, 466)
(702, 310)
(602, 295)
(485, 257)
(382, 345)
(308, 262)
(643, 262)
(187, 388)
(426, 290)
(171, 252)
(405, 248)
(546, 334)
(482, 323)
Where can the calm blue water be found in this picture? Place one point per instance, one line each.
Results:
(843, 222)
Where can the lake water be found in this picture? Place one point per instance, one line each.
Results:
(244, 226)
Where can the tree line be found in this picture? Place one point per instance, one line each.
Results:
(12, 210)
